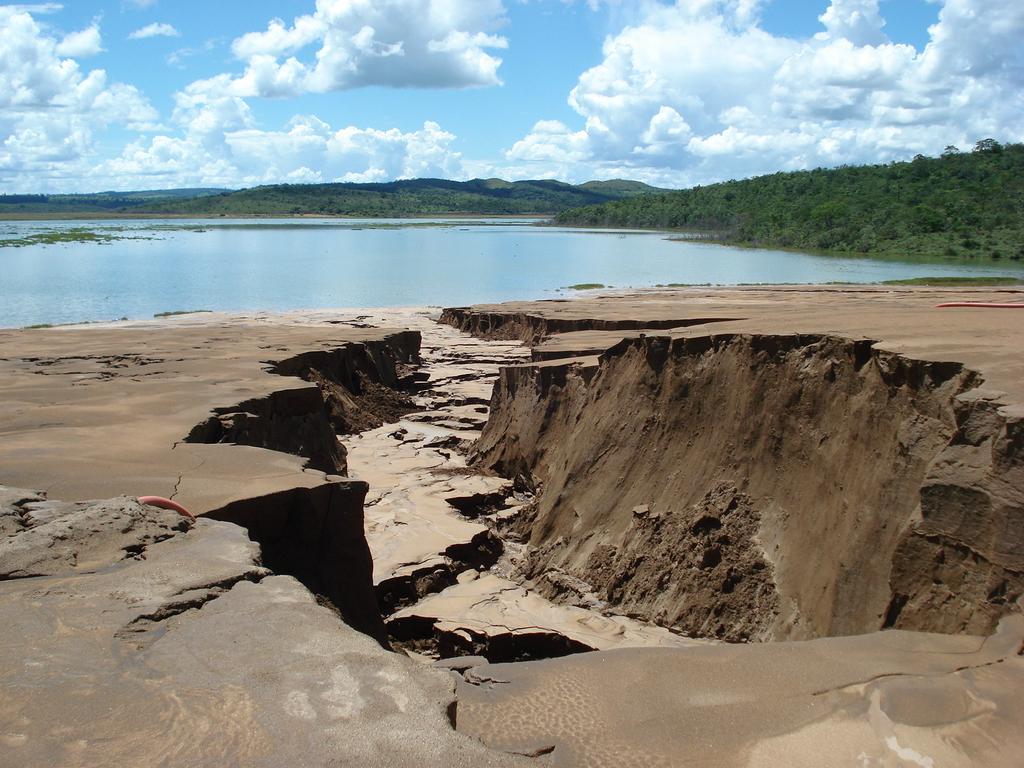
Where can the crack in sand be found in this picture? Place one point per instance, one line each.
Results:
(147, 628)
(892, 675)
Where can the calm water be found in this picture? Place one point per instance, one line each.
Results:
(280, 265)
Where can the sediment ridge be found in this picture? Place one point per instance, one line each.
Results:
(531, 328)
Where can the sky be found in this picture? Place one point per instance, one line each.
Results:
(151, 94)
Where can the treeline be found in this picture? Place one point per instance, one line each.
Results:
(18, 199)
(405, 198)
(409, 197)
(96, 202)
(960, 205)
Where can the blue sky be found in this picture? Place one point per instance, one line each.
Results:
(98, 94)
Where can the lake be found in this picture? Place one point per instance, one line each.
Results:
(288, 264)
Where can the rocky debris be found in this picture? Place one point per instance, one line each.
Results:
(45, 538)
(887, 698)
(418, 540)
(481, 495)
(834, 446)
(455, 417)
(486, 615)
(196, 656)
(700, 570)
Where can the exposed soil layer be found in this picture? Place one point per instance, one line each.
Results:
(749, 486)
(316, 535)
(443, 577)
(365, 385)
(719, 584)
(359, 386)
(289, 420)
(532, 328)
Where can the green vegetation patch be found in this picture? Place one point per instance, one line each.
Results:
(60, 236)
(585, 286)
(982, 280)
(76, 235)
(965, 206)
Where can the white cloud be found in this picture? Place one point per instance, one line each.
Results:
(177, 58)
(221, 146)
(51, 111)
(396, 43)
(156, 29)
(79, 45)
(858, 21)
(34, 8)
(697, 91)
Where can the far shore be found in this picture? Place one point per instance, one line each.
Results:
(123, 216)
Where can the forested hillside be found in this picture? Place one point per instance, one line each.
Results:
(962, 204)
(411, 197)
(408, 197)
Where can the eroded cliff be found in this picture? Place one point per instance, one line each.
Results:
(358, 386)
(748, 486)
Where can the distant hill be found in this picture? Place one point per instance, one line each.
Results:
(98, 202)
(961, 205)
(396, 198)
(404, 198)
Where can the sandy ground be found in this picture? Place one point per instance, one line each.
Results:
(877, 699)
(95, 412)
(900, 319)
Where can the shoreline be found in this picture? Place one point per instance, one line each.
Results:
(995, 284)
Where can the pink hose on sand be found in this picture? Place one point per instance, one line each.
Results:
(160, 501)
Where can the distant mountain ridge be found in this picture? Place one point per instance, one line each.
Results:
(409, 197)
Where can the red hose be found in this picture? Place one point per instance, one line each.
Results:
(160, 501)
(985, 304)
